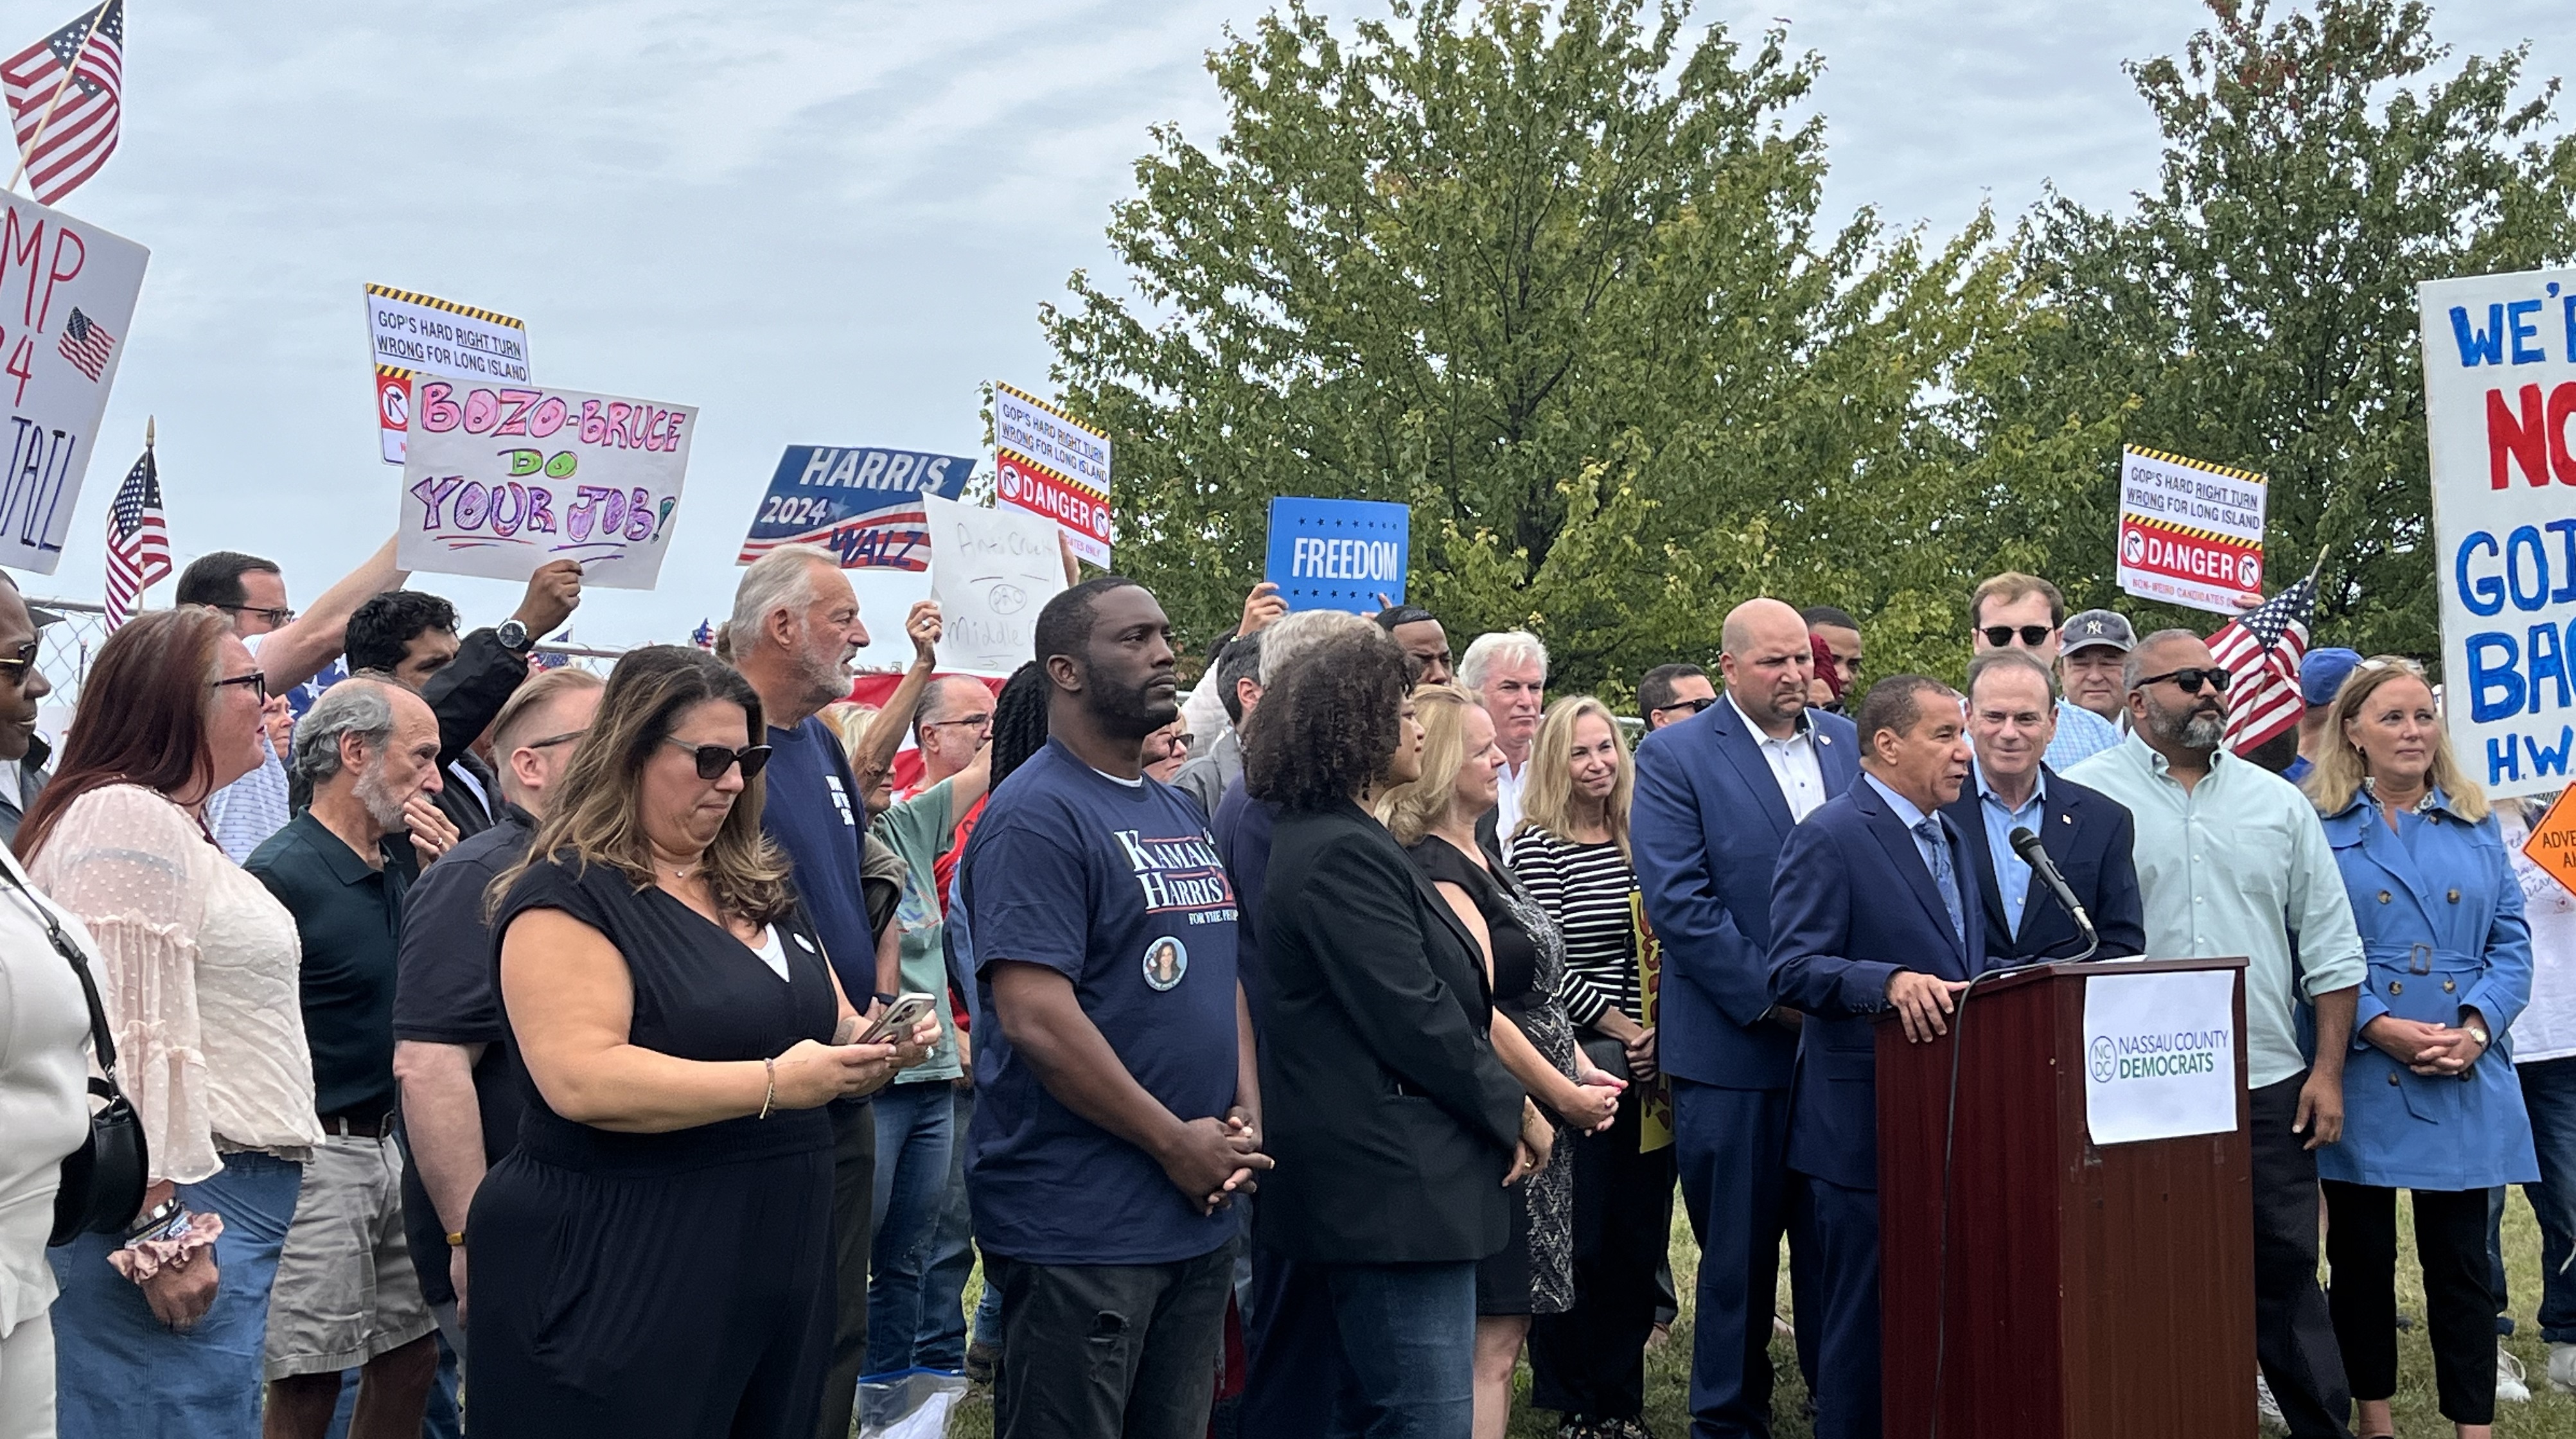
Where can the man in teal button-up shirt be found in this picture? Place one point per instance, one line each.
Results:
(2232, 860)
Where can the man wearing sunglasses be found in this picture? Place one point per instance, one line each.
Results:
(23, 688)
(2232, 860)
(2024, 612)
(1669, 694)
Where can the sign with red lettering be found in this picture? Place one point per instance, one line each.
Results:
(2190, 533)
(2499, 400)
(499, 479)
(412, 334)
(1047, 462)
(67, 292)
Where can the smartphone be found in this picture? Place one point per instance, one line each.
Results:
(899, 1018)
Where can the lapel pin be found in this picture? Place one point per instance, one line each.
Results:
(2066, 819)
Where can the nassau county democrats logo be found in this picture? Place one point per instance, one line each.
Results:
(2156, 1054)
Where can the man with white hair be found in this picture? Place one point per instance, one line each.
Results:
(1508, 672)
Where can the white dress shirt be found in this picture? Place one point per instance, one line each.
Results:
(1507, 798)
(1793, 762)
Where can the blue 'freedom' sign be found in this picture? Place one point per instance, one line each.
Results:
(861, 504)
(1339, 554)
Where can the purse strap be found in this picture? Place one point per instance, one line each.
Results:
(80, 965)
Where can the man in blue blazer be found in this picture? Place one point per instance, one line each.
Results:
(1716, 796)
(2012, 715)
(1870, 911)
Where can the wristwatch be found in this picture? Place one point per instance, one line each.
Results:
(514, 637)
(2478, 1032)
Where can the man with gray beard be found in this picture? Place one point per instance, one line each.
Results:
(346, 1294)
(2232, 860)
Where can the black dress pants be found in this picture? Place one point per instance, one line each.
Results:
(2294, 1340)
(2460, 1304)
(1591, 1360)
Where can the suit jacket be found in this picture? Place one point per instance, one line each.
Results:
(2088, 834)
(1392, 1120)
(1205, 775)
(1706, 828)
(1851, 904)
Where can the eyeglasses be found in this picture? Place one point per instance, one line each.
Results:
(714, 759)
(981, 721)
(2032, 636)
(277, 618)
(256, 680)
(1694, 706)
(24, 660)
(550, 741)
(2190, 680)
(1184, 741)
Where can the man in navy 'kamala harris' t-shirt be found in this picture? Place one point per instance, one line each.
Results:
(1118, 1115)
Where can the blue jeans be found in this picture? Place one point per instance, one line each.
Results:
(941, 1340)
(2549, 1094)
(1408, 1340)
(914, 1138)
(121, 1374)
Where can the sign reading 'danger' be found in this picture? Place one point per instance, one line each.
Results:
(2190, 533)
(2499, 394)
(991, 572)
(2159, 1055)
(1339, 554)
(67, 291)
(1049, 463)
(410, 334)
(499, 479)
(863, 505)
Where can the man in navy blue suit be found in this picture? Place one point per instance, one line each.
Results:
(2012, 715)
(1716, 797)
(1870, 911)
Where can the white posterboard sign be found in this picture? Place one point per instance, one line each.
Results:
(2191, 533)
(499, 479)
(2499, 398)
(991, 572)
(1049, 463)
(2159, 1055)
(67, 292)
(410, 334)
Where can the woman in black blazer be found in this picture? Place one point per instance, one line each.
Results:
(1394, 1126)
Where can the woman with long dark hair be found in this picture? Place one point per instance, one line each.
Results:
(163, 1334)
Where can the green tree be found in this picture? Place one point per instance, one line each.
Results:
(2258, 307)
(1555, 279)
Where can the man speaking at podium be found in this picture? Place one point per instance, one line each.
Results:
(1871, 909)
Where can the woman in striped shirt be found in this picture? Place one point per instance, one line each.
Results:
(1571, 852)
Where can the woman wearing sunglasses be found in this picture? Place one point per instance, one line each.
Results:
(197, 969)
(654, 1257)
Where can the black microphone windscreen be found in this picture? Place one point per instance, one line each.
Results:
(2023, 842)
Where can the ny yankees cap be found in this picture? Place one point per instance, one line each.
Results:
(2097, 627)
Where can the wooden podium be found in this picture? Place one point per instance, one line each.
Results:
(2093, 1292)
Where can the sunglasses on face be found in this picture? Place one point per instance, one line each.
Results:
(1694, 706)
(2190, 680)
(256, 682)
(22, 660)
(550, 741)
(2032, 636)
(714, 759)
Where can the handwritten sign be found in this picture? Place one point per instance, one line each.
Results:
(499, 479)
(412, 334)
(2190, 533)
(67, 292)
(991, 572)
(861, 504)
(1048, 463)
(1339, 554)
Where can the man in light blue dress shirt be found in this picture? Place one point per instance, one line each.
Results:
(2024, 612)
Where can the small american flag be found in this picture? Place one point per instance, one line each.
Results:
(704, 636)
(2261, 650)
(138, 542)
(86, 343)
(64, 98)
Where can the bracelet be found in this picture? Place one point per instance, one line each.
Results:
(770, 1068)
(159, 1216)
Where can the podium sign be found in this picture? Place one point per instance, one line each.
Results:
(2159, 1055)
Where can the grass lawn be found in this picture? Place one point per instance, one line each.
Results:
(1668, 1368)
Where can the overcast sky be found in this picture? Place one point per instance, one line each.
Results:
(821, 223)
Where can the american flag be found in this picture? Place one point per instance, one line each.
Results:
(86, 343)
(704, 636)
(138, 543)
(551, 659)
(68, 86)
(2261, 650)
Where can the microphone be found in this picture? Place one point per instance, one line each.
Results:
(2027, 845)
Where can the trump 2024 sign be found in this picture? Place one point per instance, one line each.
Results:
(2500, 396)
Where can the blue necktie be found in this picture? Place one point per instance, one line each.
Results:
(1942, 875)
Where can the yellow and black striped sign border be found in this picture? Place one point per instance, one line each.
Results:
(432, 302)
(1050, 409)
(2191, 464)
(2216, 537)
(394, 372)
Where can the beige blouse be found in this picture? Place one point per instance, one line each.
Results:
(199, 980)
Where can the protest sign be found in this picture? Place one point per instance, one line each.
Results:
(412, 334)
(498, 480)
(991, 572)
(67, 292)
(2190, 533)
(2499, 392)
(1339, 554)
(1049, 463)
(861, 504)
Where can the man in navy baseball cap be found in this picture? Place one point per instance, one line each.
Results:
(2321, 677)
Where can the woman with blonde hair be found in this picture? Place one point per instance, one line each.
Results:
(2427, 1108)
(1434, 818)
(1571, 852)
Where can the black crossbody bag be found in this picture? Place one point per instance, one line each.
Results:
(103, 1180)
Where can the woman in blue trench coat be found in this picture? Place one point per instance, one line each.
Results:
(2430, 1100)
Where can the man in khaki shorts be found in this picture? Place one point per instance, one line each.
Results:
(346, 1295)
